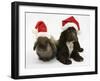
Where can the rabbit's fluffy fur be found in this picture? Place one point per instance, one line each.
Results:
(69, 47)
(45, 48)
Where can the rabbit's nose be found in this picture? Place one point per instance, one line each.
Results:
(42, 46)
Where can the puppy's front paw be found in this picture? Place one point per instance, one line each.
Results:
(78, 58)
(68, 62)
(65, 61)
(81, 50)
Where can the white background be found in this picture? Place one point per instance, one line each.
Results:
(54, 24)
(5, 41)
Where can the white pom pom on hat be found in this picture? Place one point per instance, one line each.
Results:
(70, 22)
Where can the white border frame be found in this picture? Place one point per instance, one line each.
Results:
(23, 71)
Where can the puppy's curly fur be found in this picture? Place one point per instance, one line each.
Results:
(63, 55)
(45, 48)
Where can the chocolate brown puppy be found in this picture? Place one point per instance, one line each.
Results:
(69, 47)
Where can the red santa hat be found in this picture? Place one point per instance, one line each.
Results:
(41, 29)
(70, 22)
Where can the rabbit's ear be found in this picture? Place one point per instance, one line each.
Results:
(35, 45)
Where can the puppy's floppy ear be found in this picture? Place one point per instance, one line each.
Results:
(77, 46)
(62, 37)
(35, 45)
